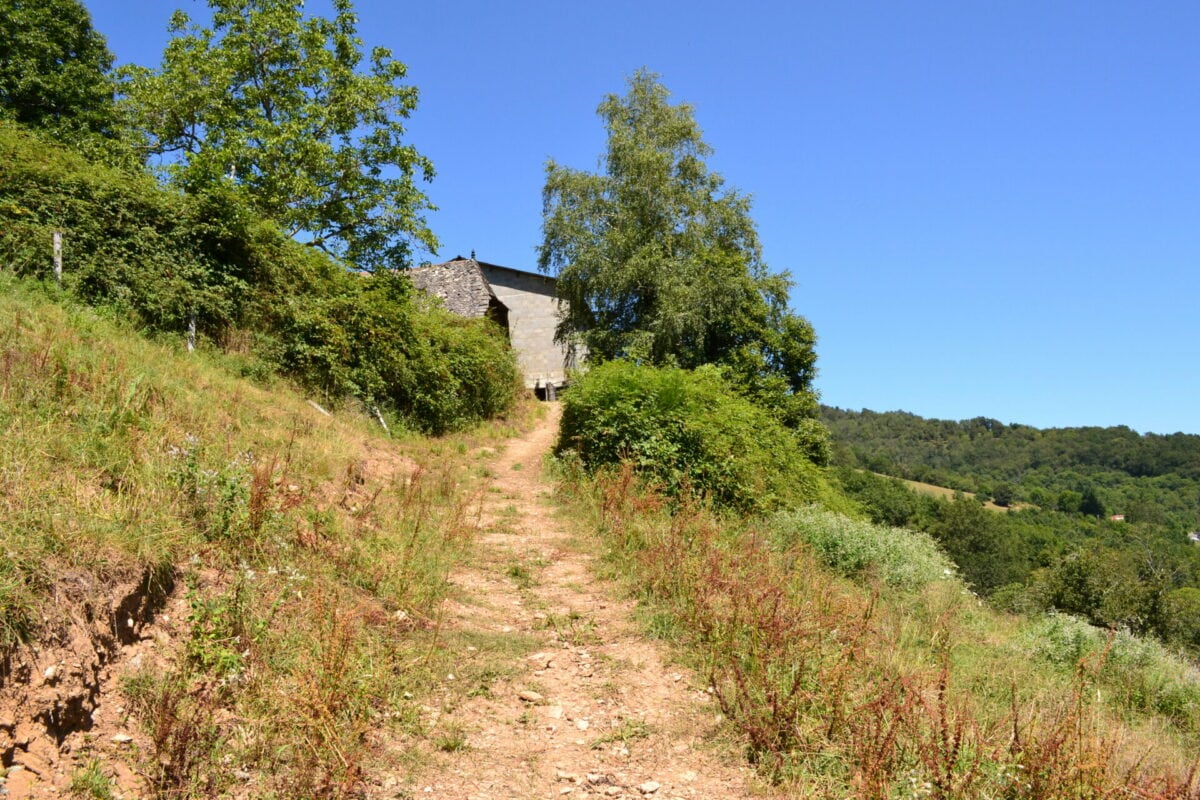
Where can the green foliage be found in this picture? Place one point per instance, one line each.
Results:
(1063, 554)
(689, 431)
(897, 557)
(659, 263)
(279, 104)
(1143, 674)
(1151, 475)
(89, 781)
(989, 554)
(54, 69)
(161, 257)
(1181, 617)
(887, 501)
(439, 372)
(844, 690)
(1004, 494)
(125, 240)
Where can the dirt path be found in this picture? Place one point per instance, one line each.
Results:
(558, 694)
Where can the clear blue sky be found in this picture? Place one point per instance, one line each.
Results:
(989, 208)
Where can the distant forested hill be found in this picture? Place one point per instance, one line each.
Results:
(1099, 516)
(1151, 476)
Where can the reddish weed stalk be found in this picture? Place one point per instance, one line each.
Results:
(796, 663)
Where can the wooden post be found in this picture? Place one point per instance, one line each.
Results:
(57, 237)
(379, 417)
(191, 333)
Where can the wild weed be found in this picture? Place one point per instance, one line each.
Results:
(878, 687)
(315, 555)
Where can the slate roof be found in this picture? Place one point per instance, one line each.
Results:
(459, 283)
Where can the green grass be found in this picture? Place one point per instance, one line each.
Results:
(854, 663)
(312, 552)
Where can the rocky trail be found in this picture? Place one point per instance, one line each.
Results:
(560, 695)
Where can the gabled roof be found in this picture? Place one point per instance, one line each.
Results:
(459, 283)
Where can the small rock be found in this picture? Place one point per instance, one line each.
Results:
(581, 724)
(554, 712)
(598, 778)
(122, 738)
(566, 776)
(689, 776)
(241, 774)
(613, 791)
(649, 787)
(530, 696)
(566, 790)
(677, 677)
(51, 673)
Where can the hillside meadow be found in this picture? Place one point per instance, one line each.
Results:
(214, 565)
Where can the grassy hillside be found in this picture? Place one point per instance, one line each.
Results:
(217, 568)
(855, 662)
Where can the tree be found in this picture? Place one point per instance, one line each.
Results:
(1090, 503)
(54, 68)
(1003, 494)
(659, 263)
(986, 550)
(277, 103)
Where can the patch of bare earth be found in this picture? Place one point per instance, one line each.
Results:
(556, 693)
(60, 705)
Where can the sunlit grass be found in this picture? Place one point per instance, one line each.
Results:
(313, 551)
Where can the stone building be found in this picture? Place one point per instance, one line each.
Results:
(523, 303)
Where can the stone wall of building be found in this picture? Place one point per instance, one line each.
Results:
(532, 319)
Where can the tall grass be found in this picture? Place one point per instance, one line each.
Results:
(854, 665)
(313, 556)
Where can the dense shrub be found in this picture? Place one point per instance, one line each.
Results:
(161, 258)
(439, 372)
(124, 238)
(895, 556)
(1144, 674)
(689, 431)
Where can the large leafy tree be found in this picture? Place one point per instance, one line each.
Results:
(54, 69)
(281, 104)
(659, 262)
